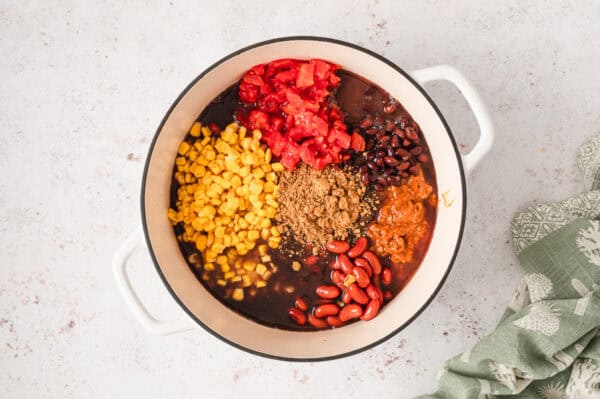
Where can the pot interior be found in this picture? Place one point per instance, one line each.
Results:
(231, 326)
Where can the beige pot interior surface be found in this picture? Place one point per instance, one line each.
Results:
(249, 334)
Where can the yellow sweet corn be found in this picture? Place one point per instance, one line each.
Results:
(226, 202)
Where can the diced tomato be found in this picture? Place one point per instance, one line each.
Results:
(253, 79)
(305, 76)
(358, 142)
(291, 108)
(248, 93)
(258, 119)
(258, 69)
(321, 69)
(269, 103)
(286, 76)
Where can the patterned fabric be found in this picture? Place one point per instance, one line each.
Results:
(547, 344)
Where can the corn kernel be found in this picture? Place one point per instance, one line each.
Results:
(183, 148)
(253, 235)
(228, 275)
(262, 249)
(261, 269)
(238, 294)
(261, 284)
(209, 267)
(221, 282)
(249, 266)
(195, 130)
(246, 282)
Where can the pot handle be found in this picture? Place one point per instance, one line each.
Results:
(486, 137)
(120, 261)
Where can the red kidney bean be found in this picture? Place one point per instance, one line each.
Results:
(359, 247)
(373, 261)
(423, 158)
(311, 260)
(334, 265)
(362, 262)
(381, 296)
(345, 263)
(387, 295)
(327, 309)
(337, 247)
(334, 321)
(361, 276)
(346, 297)
(349, 312)
(315, 322)
(371, 310)
(328, 291)
(386, 276)
(336, 276)
(297, 316)
(357, 294)
(372, 292)
(301, 304)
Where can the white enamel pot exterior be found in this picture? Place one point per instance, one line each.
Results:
(201, 307)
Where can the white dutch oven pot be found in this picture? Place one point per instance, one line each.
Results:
(201, 307)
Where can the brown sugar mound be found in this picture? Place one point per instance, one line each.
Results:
(318, 206)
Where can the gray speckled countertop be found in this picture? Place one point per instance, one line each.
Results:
(84, 86)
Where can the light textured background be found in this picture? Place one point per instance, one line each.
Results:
(83, 86)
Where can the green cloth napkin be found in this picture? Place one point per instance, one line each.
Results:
(547, 344)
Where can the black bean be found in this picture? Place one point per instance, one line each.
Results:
(378, 161)
(390, 108)
(405, 121)
(403, 166)
(411, 134)
(372, 165)
(369, 144)
(363, 169)
(364, 179)
(402, 152)
(391, 161)
(416, 150)
(390, 126)
(366, 123)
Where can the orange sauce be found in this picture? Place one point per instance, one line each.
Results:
(402, 223)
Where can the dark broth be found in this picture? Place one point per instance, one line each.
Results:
(356, 97)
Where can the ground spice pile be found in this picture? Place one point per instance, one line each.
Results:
(318, 206)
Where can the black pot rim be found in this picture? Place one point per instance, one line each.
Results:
(450, 136)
